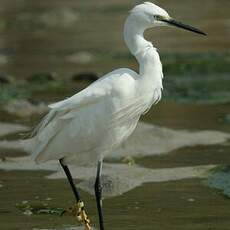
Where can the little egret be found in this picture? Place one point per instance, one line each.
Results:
(86, 127)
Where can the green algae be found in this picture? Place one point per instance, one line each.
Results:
(13, 91)
(180, 63)
(206, 63)
(38, 208)
(199, 78)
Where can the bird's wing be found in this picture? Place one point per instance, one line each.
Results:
(101, 89)
(88, 96)
(63, 112)
(94, 92)
(52, 123)
(85, 97)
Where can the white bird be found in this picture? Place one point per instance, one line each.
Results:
(89, 125)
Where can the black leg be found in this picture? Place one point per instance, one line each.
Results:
(78, 210)
(98, 194)
(70, 179)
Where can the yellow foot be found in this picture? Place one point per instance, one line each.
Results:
(78, 211)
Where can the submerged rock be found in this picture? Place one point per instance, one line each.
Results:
(4, 79)
(83, 57)
(85, 76)
(220, 179)
(3, 58)
(227, 118)
(112, 185)
(41, 78)
(59, 17)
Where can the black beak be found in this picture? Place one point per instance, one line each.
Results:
(173, 22)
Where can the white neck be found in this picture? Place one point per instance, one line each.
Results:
(143, 50)
(134, 36)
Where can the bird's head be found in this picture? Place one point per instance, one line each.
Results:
(149, 15)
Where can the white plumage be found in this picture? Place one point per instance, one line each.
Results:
(87, 126)
(90, 124)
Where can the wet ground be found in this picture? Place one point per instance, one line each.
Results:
(55, 37)
(181, 205)
(176, 204)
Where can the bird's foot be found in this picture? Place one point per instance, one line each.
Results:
(79, 212)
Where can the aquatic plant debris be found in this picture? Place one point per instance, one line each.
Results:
(219, 179)
(38, 208)
(192, 78)
(64, 228)
(227, 118)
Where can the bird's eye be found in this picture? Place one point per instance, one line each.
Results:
(157, 17)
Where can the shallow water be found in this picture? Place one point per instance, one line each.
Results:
(184, 204)
(69, 37)
(161, 205)
(31, 43)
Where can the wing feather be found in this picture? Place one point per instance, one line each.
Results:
(62, 112)
(65, 111)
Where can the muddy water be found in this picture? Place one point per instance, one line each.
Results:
(181, 205)
(29, 43)
(46, 35)
(184, 204)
